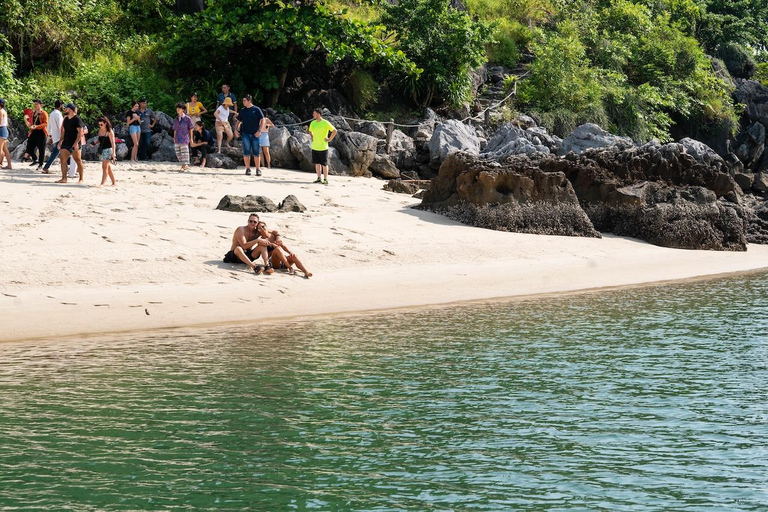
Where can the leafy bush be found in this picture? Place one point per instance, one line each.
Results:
(738, 60)
(362, 89)
(445, 43)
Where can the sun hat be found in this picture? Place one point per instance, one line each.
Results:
(227, 101)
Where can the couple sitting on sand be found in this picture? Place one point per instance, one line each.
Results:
(254, 240)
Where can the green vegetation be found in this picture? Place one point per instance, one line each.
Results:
(636, 67)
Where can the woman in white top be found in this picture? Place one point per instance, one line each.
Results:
(4, 152)
(222, 122)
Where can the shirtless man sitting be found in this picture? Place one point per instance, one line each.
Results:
(280, 255)
(247, 246)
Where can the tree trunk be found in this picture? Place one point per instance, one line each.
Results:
(283, 75)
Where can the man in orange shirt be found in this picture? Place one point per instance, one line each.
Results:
(38, 134)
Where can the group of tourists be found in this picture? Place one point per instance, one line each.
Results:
(65, 131)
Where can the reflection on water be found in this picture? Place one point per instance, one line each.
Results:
(630, 400)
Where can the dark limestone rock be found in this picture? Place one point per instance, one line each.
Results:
(163, 150)
(280, 149)
(761, 183)
(248, 203)
(745, 180)
(383, 167)
(356, 150)
(291, 204)
(511, 196)
(220, 161)
(757, 230)
(372, 128)
(401, 187)
(591, 136)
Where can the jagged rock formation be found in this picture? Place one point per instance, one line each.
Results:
(515, 196)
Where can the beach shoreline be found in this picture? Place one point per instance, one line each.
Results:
(81, 261)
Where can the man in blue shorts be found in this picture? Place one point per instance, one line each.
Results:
(250, 122)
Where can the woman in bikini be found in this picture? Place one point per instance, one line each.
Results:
(281, 257)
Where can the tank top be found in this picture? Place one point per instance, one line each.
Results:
(4, 117)
(104, 142)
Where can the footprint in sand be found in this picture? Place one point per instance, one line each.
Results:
(101, 305)
(69, 303)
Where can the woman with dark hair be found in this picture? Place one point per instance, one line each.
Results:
(133, 120)
(107, 150)
(202, 143)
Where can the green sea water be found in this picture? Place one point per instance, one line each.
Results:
(641, 399)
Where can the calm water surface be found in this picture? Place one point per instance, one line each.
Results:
(643, 399)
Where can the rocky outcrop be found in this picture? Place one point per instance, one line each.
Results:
(356, 150)
(291, 204)
(248, 203)
(513, 196)
(616, 167)
(221, 161)
(591, 136)
(401, 187)
(280, 149)
(383, 167)
(372, 128)
(450, 137)
(510, 140)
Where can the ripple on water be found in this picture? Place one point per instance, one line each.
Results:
(628, 400)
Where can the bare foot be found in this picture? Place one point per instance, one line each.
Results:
(114, 184)
(308, 275)
(100, 185)
(60, 181)
(80, 182)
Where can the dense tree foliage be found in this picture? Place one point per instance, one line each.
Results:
(255, 42)
(447, 44)
(637, 67)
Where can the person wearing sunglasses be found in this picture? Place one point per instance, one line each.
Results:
(247, 247)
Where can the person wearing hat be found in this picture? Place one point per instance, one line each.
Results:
(4, 152)
(69, 144)
(54, 134)
(226, 93)
(222, 122)
(38, 135)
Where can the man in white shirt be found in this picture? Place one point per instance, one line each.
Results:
(54, 134)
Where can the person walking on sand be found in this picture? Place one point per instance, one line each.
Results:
(182, 135)
(195, 109)
(280, 256)
(148, 121)
(247, 247)
(38, 135)
(107, 150)
(222, 123)
(250, 122)
(133, 120)
(54, 134)
(264, 142)
(322, 132)
(71, 133)
(4, 151)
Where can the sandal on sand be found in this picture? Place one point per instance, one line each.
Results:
(258, 270)
(269, 270)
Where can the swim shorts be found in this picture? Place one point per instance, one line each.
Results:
(320, 157)
(231, 257)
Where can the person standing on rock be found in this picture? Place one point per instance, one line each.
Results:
(54, 134)
(322, 133)
(148, 120)
(250, 122)
(222, 123)
(182, 135)
(38, 135)
(71, 133)
(4, 151)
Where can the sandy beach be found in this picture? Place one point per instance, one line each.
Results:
(147, 254)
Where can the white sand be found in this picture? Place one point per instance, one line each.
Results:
(146, 255)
